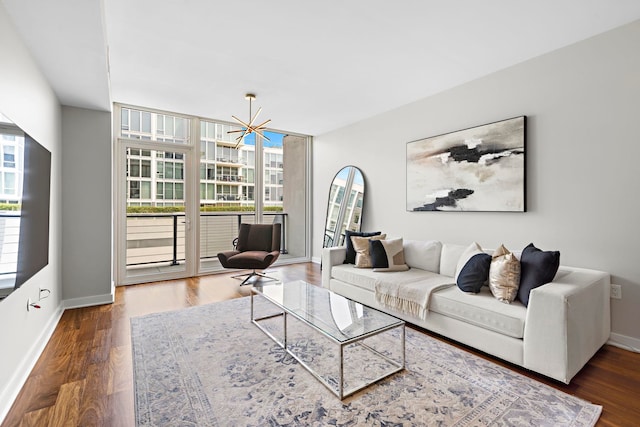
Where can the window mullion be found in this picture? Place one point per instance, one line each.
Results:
(258, 192)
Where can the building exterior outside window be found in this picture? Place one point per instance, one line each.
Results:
(227, 170)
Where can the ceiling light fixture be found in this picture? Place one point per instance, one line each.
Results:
(249, 128)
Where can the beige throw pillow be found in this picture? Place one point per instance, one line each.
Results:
(387, 255)
(361, 245)
(504, 275)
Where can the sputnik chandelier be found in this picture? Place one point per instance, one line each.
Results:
(249, 128)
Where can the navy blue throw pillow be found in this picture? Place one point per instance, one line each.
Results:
(474, 273)
(536, 268)
(350, 258)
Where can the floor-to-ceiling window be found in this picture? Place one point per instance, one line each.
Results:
(185, 184)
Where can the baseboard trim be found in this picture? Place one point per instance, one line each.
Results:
(624, 341)
(316, 260)
(10, 392)
(89, 301)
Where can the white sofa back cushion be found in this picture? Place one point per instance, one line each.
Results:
(423, 254)
(449, 259)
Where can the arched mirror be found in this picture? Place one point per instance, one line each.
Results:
(344, 209)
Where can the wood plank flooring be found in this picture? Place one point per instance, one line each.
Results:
(84, 377)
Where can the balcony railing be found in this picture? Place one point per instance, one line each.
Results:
(228, 160)
(230, 178)
(160, 238)
(229, 197)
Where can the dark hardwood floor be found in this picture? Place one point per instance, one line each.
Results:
(84, 376)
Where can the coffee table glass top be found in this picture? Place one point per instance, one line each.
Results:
(337, 316)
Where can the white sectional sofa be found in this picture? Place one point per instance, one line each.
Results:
(565, 323)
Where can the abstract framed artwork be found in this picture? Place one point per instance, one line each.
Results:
(478, 169)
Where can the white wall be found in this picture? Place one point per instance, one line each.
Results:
(28, 100)
(86, 211)
(583, 188)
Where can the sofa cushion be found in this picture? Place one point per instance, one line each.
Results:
(387, 255)
(504, 275)
(361, 245)
(449, 258)
(536, 268)
(423, 254)
(472, 270)
(367, 278)
(480, 309)
(350, 257)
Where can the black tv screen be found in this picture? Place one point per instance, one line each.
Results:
(33, 244)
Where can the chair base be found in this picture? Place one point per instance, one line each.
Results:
(253, 274)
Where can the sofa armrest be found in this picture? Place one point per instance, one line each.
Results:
(330, 257)
(568, 320)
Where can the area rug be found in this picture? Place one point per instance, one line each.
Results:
(210, 366)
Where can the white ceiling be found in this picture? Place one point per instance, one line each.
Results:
(314, 65)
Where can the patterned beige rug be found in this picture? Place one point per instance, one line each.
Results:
(209, 366)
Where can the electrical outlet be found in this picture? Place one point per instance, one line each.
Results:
(616, 291)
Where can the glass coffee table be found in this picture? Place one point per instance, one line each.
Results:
(347, 346)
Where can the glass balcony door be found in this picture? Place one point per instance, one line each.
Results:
(156, 218)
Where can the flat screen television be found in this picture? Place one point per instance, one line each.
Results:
(25, 188)
(33, 244)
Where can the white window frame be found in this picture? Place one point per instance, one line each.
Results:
(191, 151)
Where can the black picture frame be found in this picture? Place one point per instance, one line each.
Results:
(479, 169)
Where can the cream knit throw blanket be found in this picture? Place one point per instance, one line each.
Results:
(411, 298)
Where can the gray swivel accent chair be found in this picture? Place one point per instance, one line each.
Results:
(256, 248)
